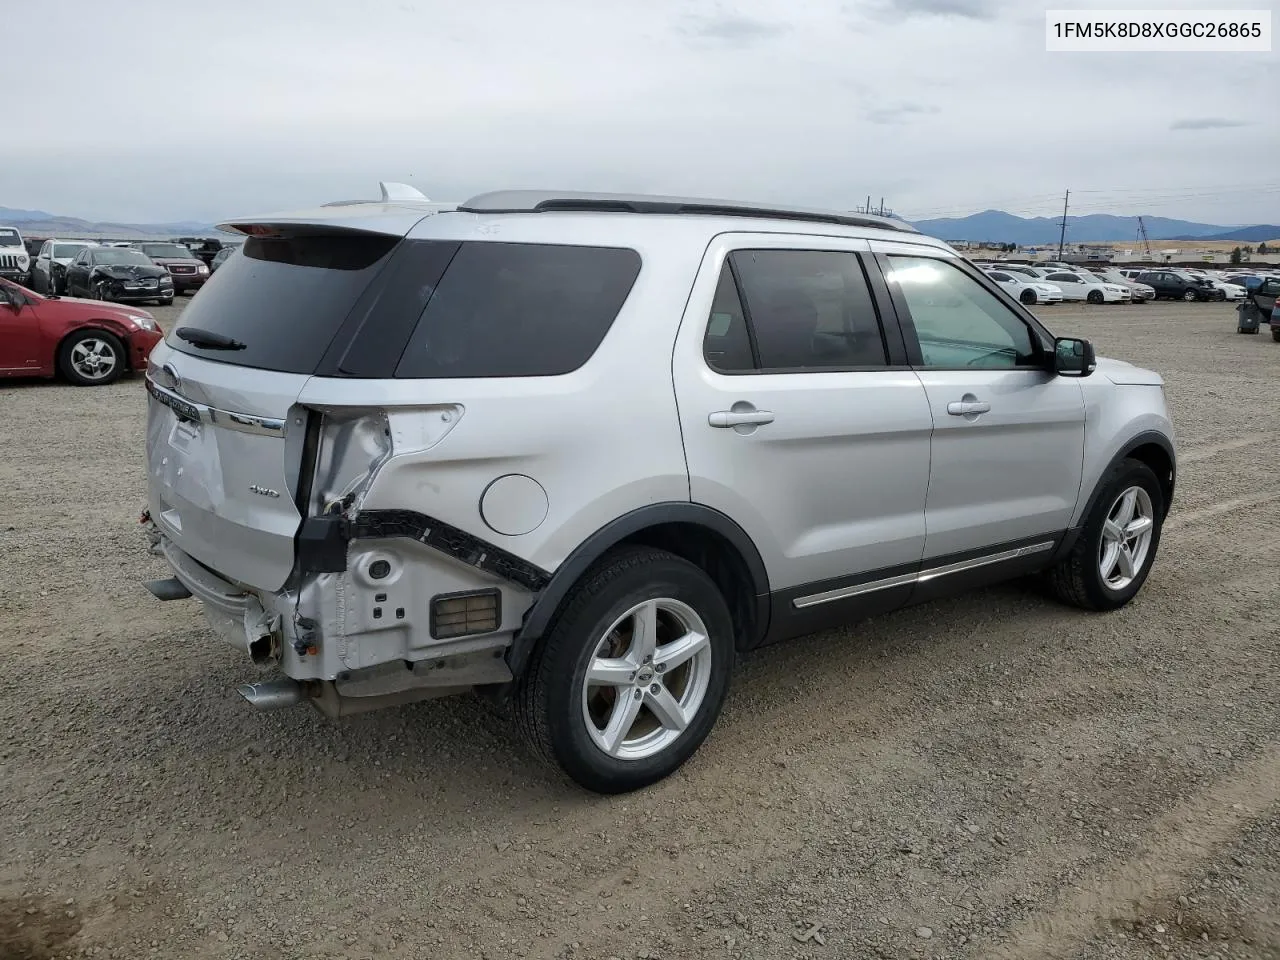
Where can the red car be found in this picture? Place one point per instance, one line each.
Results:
(89, 342)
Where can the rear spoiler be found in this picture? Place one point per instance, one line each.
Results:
(395, 213)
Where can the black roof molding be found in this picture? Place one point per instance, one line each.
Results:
(553, 201)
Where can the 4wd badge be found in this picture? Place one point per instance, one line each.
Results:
(263, 491)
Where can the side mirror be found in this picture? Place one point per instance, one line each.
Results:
(1073, 357)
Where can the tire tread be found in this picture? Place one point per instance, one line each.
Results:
(530, 719)
(1068, 578)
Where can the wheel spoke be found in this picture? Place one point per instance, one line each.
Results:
(644, 633)
(1138, 526)
(1112, 532)
(1125, 559)
(610, 672)
(1128, 504)
(666, 708)
(671, 655)
(620, 723)
(1109, 560)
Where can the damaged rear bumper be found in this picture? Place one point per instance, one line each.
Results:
(356, 639)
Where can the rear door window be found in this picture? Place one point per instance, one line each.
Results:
(519, 310)
(285, 298)
(809, 309)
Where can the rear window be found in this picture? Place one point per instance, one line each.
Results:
(285, 298)
(519, 310)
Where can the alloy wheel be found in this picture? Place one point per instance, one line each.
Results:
(1126, 538)
(647, 679)
(93, 359)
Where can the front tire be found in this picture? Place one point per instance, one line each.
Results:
(1190, 296)
(91, 358)
(1028, 297)
(1095, 296)
(631, 675)
(100, 290)
(1110, 560)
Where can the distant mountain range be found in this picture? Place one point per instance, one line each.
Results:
(1264, 231)
(990, 225)
(1000, 227)
(40, 224)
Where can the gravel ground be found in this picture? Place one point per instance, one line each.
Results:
(994, 776)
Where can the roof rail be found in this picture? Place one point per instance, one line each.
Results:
(549, 201)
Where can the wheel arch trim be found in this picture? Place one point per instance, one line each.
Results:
(548, 600)
(1144, 439)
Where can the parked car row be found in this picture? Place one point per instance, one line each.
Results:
(1056, 282)
(142, 270)
(39, 262)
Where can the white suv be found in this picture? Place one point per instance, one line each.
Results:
(15, 262)
(579, 450)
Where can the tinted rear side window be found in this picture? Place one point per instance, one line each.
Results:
(519, 310)
(285, 298)
(809, 309)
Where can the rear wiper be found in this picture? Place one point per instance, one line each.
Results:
(207, 339)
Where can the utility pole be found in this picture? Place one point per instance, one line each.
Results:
(1062, 237)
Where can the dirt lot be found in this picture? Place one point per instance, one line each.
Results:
(996, 776)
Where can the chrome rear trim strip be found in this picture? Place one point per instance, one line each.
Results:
(932, 573)
(228, 419)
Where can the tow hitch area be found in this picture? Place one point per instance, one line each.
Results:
(171, 589)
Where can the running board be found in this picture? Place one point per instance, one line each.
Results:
(171, 589)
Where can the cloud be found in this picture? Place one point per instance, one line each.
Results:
(941, 110)
(1208, 123)
(734, 30)
(897, 10)
(898, 113)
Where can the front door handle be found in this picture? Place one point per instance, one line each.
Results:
(740, 418)
(967, 408)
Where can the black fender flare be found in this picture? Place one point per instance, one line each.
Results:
(1147, 437)
(538, 617)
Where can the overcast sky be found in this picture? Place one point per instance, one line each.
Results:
(137, 110)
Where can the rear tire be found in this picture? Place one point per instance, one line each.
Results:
(1275, 333)
(611, 737)
(1094, 575)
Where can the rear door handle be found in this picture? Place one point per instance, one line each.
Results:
(966, 408)
(739, 418)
